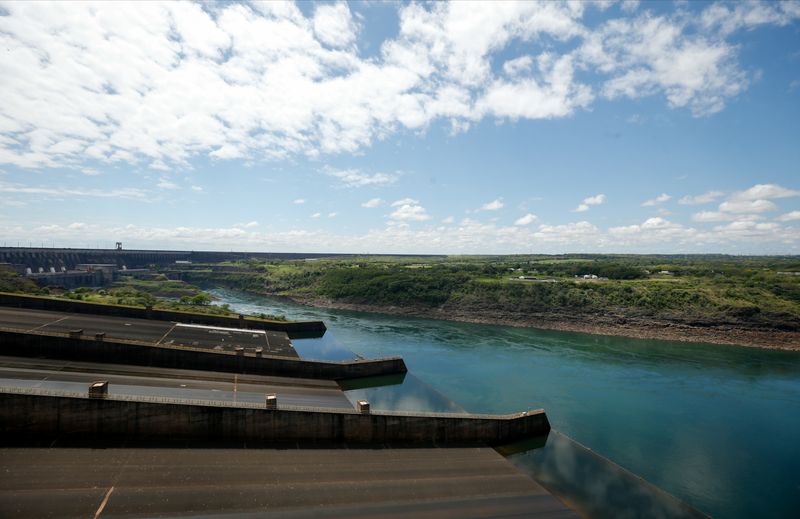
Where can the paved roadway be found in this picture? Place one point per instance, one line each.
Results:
(146, 330)
(173, 383)
(277, 483)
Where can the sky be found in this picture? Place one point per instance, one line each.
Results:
(381, 127)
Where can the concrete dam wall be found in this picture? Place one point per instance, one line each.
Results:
(32, 414)
(295, 329)
(61, 346)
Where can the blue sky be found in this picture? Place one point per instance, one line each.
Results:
(666, 127)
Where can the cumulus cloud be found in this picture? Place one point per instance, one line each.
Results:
(789, 217)
(526, 220)
(372, 203)
(357, 178)
(663, 197)
(469, 236)
(764, 192)
(334, 25)
(747, 206)
(648, 55)
(316, 215)
(158, 84)
(589, 201)
(407, 210)
(299, 201)
(718, 216)
(494, 205)
(248, 225)
(705, 198)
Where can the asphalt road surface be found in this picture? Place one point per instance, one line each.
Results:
(146, 330)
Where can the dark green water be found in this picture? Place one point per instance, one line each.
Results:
(716, 426)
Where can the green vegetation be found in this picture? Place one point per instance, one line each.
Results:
(159, 292)
(10, 281)
(696, 289)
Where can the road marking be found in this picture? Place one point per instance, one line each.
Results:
(48, 324)
(165, 335)
(103, 504)
(204, 327)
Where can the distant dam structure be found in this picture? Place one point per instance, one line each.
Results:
(47, 258)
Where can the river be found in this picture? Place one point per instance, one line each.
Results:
(716, 426)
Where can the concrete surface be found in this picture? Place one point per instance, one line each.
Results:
(140, 381)
(157, 332)
(159, 482)
(47, 413)
(295, 329)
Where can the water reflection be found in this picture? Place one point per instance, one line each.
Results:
(593, 486)
(410, 395)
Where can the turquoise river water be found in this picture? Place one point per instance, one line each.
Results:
(716, 426)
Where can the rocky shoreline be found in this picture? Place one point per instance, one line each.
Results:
(614, 325)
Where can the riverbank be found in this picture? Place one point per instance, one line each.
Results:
(613, 325)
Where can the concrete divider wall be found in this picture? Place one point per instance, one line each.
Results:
(295, 329)
(33, 415)
(61, 346)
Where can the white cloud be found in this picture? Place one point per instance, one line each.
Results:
(408, 210)
(299, 201)
(590, 201)
(356, 178)
(789, 217)
(663, 197)
(372, 203)
(470, 236)
(656, 228)
(129, 193)
(526, 220)
(334, 25)
(448, 220)
(515, 66)
(747, 206)
(198, 189)
(494, 205)
(705, 198)
(718, 216)
(765, 191)
(316, 215)
(649, 55)
(332, 215)
(158, 84)
(727, 18)
(405, 201)
(165, 183)
(248, 225)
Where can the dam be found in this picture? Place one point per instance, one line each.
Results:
(177, 406)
